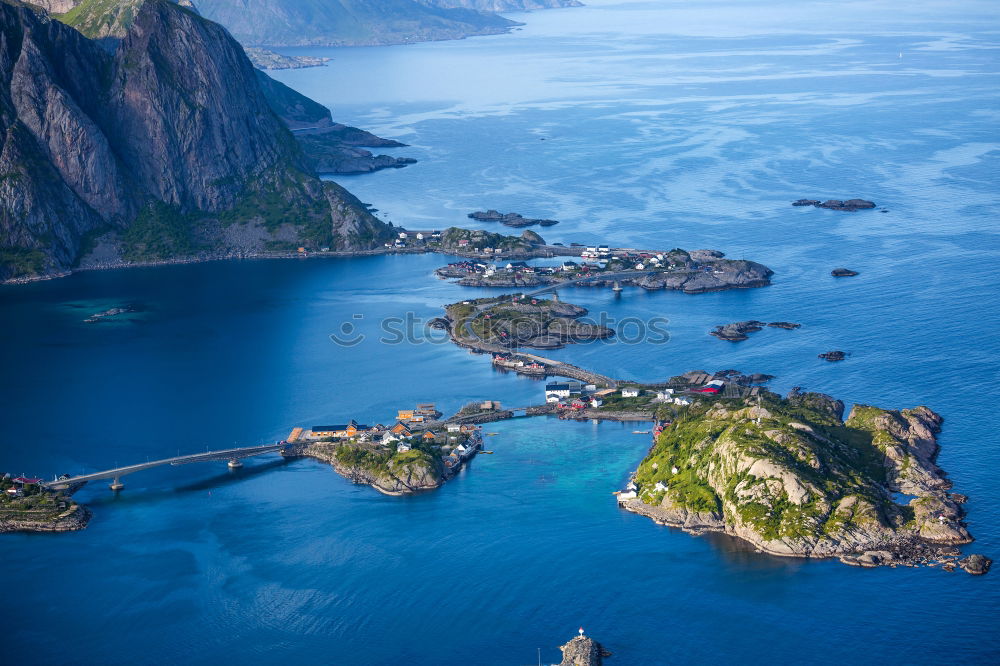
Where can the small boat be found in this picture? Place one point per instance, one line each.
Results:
(489, 453)
(491, 434)
(640, 432)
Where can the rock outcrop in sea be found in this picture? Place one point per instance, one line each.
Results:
(515, 220)
(583, 651)
(793, 478)
(850, 205)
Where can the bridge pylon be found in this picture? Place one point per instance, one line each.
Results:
(117, 484)
(617, 287)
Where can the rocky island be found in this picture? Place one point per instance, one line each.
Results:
(843, 272)
(850, 205)
(582, 650)
(793, 478)
(510, 219)
(740, 330)
(512, 322)
(692, 272)
(26, 507)
(111, 312)
(407, 458)
(835, 355)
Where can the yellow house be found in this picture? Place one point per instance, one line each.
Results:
(341, 430)
(404, 415)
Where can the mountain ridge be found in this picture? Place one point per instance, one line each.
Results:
(164, 148)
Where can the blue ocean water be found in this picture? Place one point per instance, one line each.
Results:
(664, 124)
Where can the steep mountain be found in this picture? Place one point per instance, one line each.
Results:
(502, 5)
(331, 148)
(166, 148)
(347, 22)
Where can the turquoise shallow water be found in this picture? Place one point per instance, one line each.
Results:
(665, 126)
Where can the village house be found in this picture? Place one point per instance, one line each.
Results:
(401, 430)
(631, 392)
(340, 431)
(681, 401)
(403, 447)
(556, 392)
(454, 427)
(665, 395)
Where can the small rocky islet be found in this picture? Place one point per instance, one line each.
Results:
(740, 330)
(505, 323)
(111, 312)
(515, 220)
(850, 205)
(792, 477)
(843, 272)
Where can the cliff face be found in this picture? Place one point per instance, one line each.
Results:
(347, 22)
(792, 478)
(159, 147)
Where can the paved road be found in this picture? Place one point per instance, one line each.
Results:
(226, 454)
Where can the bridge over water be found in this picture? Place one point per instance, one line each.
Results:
(233, 456)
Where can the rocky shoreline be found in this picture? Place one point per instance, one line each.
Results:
(819, 488)
(74, 518)
(902, 551)
(389, 485)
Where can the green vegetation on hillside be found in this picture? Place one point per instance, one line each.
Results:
(784, 468)
(22, 261)
(160, 231)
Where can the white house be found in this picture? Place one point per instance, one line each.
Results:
(630, 392)
(666, 395)
(681, 401)
(631, 494)
(596, 402)
(420, 236)
(454, 427)
(660, 486)
(556, 392)
(403, 447)
(402, 234)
